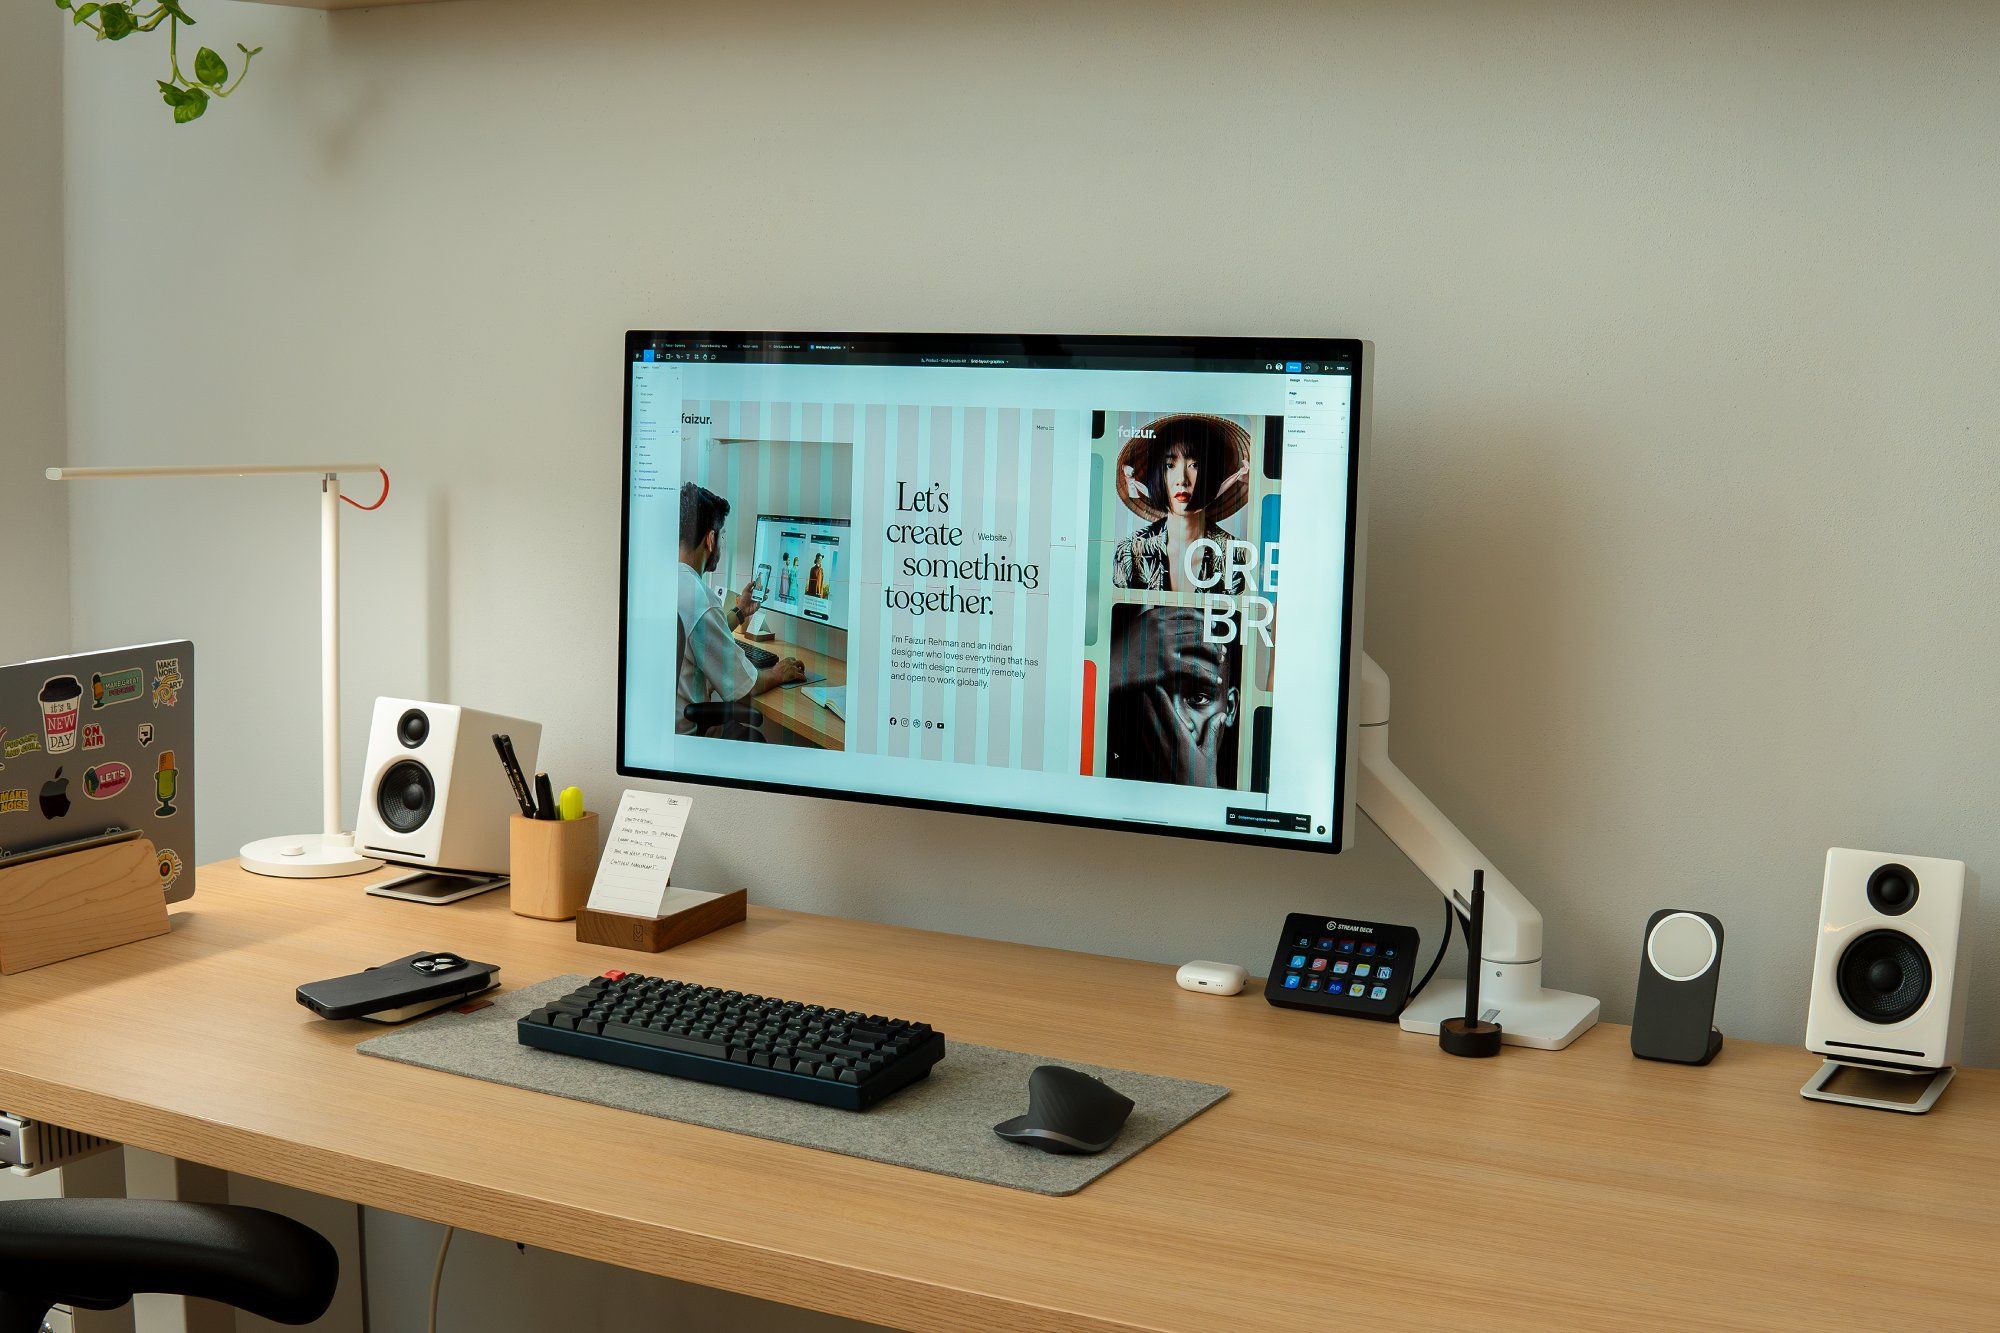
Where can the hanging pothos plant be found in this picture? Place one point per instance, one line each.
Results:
(188, 97)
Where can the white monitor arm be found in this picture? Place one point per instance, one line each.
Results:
(1511, 992)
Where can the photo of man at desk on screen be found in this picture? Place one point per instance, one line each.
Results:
(712, 667)
(765, 663)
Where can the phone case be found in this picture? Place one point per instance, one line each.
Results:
(429, 976)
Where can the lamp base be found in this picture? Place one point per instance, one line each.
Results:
(306, 856)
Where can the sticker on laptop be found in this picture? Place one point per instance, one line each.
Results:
(166, 784)
(55, 797)
(62, 702)
(13, 800)
(167, 681)
(21, 745)
(106, 780)
(169, 862)
(145, 735)
(117, 687)
(93, 736)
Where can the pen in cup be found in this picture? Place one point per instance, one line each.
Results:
(505, 746)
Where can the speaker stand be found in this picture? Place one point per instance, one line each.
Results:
(1815, 1088)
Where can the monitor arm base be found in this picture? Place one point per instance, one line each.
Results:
(1511, 988)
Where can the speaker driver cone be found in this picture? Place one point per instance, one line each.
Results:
(413, 728)
(1884, 976)
(405, 796)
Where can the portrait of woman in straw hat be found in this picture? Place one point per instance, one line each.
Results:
(1183, 474)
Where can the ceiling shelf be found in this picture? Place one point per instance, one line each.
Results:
(341, 4)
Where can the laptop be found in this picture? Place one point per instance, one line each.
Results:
(101, 743)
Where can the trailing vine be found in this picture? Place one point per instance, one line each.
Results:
(189, 97)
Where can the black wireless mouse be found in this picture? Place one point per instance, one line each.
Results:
(1068, 1112)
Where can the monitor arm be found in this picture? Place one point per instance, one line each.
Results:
(1511, 952)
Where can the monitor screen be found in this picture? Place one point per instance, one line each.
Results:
(1020, 575)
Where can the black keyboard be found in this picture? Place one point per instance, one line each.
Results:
(759, 657)
(808, 1052)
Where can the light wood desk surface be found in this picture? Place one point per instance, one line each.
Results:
(1355, 1178)
(792, 708)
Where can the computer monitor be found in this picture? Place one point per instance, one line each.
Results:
(799, 568)
(1040, 575)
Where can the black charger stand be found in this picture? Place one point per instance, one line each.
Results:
(1469, 1036)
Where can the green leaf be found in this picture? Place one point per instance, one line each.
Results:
(174, 7)
(118, 21)
(248, 51)
(83, 12)
(62, 4)
(191, 109)
(172, 94)
(208, 67)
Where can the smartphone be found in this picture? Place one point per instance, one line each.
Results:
(405, 988)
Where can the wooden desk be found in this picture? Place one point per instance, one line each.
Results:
(1356, 1177)
(792, 709)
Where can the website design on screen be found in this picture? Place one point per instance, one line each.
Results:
(998, 585)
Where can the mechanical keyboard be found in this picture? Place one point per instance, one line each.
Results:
(808, 1052)
(759, 657)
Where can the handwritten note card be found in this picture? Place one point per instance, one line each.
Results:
(639, 857)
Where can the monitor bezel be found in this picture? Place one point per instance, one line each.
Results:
(1197, 347)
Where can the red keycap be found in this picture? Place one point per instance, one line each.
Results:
(614, 975)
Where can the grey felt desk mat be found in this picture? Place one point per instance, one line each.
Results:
(943, 1123)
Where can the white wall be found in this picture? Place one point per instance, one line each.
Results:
(34, 517)
(1683, 538)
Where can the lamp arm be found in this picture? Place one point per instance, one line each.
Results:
(1513, 932)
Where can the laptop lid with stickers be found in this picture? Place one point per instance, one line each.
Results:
(93, 743)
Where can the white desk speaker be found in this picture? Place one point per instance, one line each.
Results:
(1889, 975)
(433, 790)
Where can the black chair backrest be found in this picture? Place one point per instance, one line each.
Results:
(99, 1253)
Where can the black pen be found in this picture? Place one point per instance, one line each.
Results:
(545, 797)
(505, 745)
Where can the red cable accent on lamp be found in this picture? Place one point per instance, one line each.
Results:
(380, 500)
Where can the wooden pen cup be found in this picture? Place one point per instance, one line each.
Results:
(551, 863)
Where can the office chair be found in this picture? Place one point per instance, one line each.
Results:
(728, 721)
(96, 1254)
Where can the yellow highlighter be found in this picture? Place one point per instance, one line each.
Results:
(569, 805)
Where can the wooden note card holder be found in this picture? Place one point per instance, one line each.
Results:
(651, 934)
(59, 907)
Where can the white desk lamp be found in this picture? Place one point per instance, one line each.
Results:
(1511, 992)
(329, 852)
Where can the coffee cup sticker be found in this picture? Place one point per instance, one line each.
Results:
(167, 681)
(145, 735)
(117, 687)
(106, 780)
(93, 736)
(169, 863)
(13, 800)
(62, 701)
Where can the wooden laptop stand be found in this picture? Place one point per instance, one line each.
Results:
(61, 906)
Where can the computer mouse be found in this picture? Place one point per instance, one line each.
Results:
(1068, 1112)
